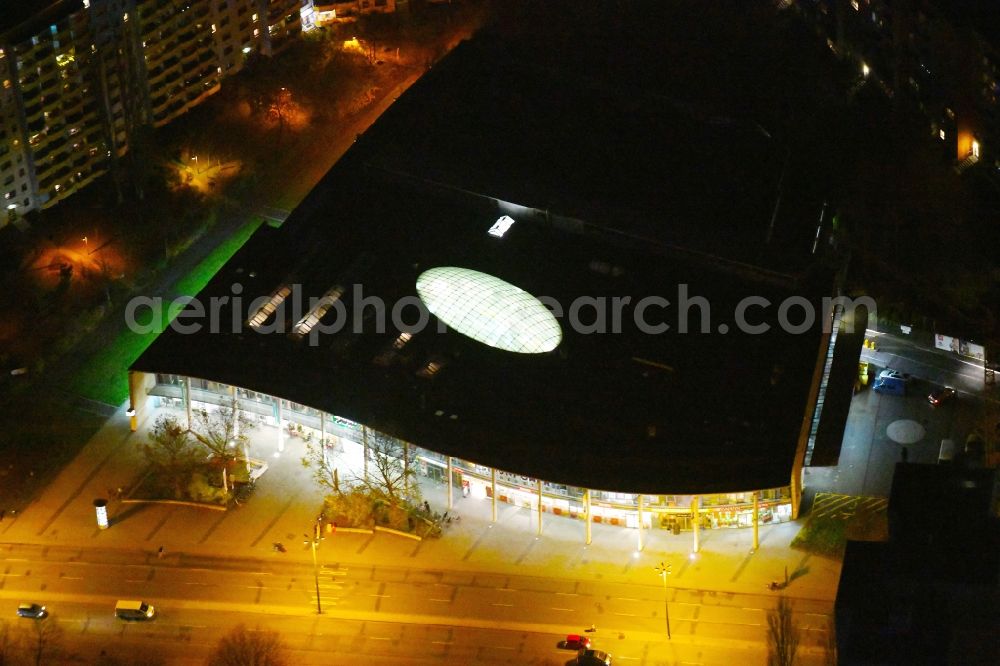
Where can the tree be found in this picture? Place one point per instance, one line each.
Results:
(170, 449)
(391, 470)
(242, 647)
(223, 432)
(320, 463)
(6, 643)
(782, 635)
(44, 640)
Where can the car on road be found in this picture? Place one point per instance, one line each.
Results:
(942, 395)
(593, 658)
(575, 642)
(32, 611)
(134, 610)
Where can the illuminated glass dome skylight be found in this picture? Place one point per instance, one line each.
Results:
(489, 310)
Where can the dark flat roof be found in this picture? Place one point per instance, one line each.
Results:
(696, 412)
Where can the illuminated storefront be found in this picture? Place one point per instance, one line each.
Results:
(345, 442)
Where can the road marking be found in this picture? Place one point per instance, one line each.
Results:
(504, 589)
(71, 577)
(627, 599)
(198, 583)
(135, 580)
(383, 596)
(502, 647)
(447, 601)
(379, 638)
(568, 594)
(626, 614)
(441, 642)
(752, 609)
(16, 559)
(506, 605)
(568, 610)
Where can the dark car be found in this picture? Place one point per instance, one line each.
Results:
(942, 395)
(32, 611)
(594, 658)
(575, 642)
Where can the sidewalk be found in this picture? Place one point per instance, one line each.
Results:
(286, 500)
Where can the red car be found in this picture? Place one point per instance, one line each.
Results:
(575, 642)
(942, 395)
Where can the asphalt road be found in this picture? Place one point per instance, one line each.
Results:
(394, 615)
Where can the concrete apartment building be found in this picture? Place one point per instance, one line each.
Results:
(78, 76)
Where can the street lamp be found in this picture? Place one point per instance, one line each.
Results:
(314, 542)
(663, 570)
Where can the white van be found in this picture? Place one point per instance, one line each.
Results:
(947, 452)
(134, 610)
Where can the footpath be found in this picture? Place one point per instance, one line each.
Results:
(285, 504)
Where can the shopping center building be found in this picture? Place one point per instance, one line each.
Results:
(564, 298)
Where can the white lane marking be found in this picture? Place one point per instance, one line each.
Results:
(379, 638)
(188, 582)
(447, 601)
(568, 594)
(504, 589)
(16, 559)
(505, 605)
(71, 577)
(502, 647)
(628, 599)
(441, 642)
(135, 580)
(626, 614)
(568, 610)
(383, 596)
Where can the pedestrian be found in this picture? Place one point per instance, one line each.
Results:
(159, 553)
(427, 506)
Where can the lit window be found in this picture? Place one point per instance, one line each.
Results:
(86, 4)
(125, 17)
(865, 71)
(253, 18)
(256, 32)
(501, 226)
(489, 310)
(941, 134)
(213, 28)
(975, 148)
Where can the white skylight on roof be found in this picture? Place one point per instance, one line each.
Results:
(501, 226)
(489, 310)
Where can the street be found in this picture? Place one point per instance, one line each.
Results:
(386, 614)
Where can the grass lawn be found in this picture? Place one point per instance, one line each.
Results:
(105, 376)
(822, 535)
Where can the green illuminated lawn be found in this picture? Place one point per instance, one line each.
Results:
(105, 375)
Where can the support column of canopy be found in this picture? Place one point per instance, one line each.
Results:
(493, 483)
(587, 519)
(451, 491)
(639, 545)
(756, 521)
(695, 519)
(539, 507)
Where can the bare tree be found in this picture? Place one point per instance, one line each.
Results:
(171, 449)
(782, 635)
(43, 641)
(223, 432)
(6, 643)
(391, 470)
(243, 647)
(320, 463)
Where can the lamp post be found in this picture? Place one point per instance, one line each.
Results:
(314, 542)
(663, 570)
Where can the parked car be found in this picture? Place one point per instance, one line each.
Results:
(32, 611)
(942, 395)
(575, 642)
